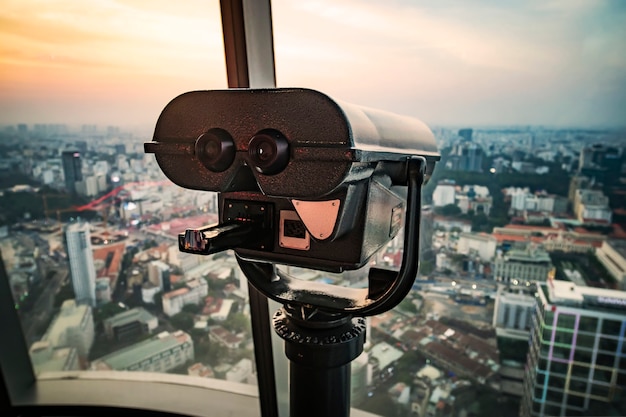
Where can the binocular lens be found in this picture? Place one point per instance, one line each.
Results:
(215, 149)
(269, 151)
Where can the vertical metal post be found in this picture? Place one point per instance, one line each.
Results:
(320, 347)
(15, 367)
(250, 64)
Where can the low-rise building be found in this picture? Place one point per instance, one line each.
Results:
(482, 244)
(221, 335)
(128, 324)
(201, 370)
(160, 353)
(382, 357)
(72, 327)
(241, 372)
(532, 264)
(45, 358)
(193, 292)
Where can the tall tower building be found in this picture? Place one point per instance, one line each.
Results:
(72, 169)
(577, 355)
(80, 254)
(466, 134)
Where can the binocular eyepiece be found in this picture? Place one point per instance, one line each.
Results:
(303, 179)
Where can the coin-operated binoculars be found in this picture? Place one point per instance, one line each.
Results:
(307, 181)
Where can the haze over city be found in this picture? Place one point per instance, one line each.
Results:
(557, 63)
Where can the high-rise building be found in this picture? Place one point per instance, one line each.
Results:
(513, 310)
(466, 134)
(465, 156)
(159, 275)
(72, 169)
(577, 356)
(82, 268)
(601, 162)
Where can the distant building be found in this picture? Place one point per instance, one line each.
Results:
(88, 186)
(465, 156)
(193, 292)
(551, 238)
(225, 337)
(612, 254)
(513, 310)
(522, 200)
(72, 327)
(470, 201)
(45, 358)
(444, 194)
(466, 134)
(522, 265)
(242, 372)
(201, 370)
(577, 182)
(129, 324)
(72, 169)
(591, 206)
(482, 244)
(82, 267)
(359, 378)
(159, 275)
(160, 353)
(449, 224)
(602, 163)
(103, 290)
(382, 357)
(576, 363)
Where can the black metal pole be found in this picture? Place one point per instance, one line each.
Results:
(245, 71)
(320, 347)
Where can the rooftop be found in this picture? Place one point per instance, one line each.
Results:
(385, 354)
(567, 293)
(534, 256)
(125, 358)
(135, 314)
(619, 245)
(71, 315)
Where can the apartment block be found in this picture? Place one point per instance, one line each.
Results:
(160, 353)
(577, 356)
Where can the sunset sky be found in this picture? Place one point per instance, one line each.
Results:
(487, 62)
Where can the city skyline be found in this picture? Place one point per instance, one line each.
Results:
(540, 63)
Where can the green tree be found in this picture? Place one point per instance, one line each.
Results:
(449, 210)
(191, 308)
(237, 322)
(408, 306)
(216, 353)
(182, 321)
(107, 310)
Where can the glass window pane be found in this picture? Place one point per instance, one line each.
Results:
(566, 321)
(608, 344)
(558, 367)
(588, 324)
(575, 401)
(611, 327)
(91, 252)
(586, 341)
(580, 370)
(563, 337)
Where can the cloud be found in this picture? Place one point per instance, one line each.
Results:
(447, 59)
